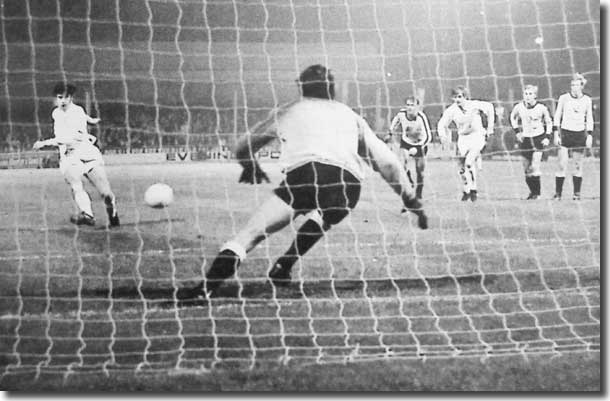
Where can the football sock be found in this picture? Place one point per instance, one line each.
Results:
(83, 202)
(577, 181)
(307, 236)
(471, 170)
(465, 180)
(536, 187)
(559, 184)
(110, 205)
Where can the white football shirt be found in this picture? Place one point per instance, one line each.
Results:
(467, 119)
(70, 128)
(323, 131)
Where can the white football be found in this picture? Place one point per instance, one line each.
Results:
(159, 195)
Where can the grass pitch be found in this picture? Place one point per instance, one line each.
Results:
(502, 294)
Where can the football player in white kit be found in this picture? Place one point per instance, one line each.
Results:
(324, 146)
(78, 156)
(465, 114)
(531, 121)
(414, 132)
(573, 132)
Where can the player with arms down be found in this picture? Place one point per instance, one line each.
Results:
(532, 124)
(324, 146)
(573, 132)
(78, 155)
(414, 130)
(472, 135)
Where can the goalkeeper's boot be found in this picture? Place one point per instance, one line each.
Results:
(473, 195)
(557, 197)
(113, 216)
(223, 267)
(280, 275)
(533, 196)
(576, 196)
(415, 207)
(192, 293)
(465, 196)
(82, 219)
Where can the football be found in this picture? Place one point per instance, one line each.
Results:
(159, 195)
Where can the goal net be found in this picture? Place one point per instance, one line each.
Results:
(499, 277)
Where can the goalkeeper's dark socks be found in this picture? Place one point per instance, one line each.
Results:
(577, 182)
(223, 267)
(559, 185)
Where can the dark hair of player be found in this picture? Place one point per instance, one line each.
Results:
(460, 90)
(412, 99)
(64, 88)
(317, 81)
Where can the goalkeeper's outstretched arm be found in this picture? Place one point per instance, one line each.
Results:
(260, 135)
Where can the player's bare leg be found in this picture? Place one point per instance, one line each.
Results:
(273, 215)
(73, 176)
(562, 158)
(578, 158)
(99, 179)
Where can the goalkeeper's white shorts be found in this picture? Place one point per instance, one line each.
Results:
(80, 161)
(471, 143)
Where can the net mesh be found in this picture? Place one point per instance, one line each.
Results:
(504, 278)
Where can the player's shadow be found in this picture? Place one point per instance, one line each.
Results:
(264, 291)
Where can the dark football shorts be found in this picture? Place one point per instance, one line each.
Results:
(421, 150)
(529, 145)
(532, 143)
(574, 140)
(317, 186)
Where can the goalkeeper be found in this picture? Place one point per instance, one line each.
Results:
(78, 155)
(324, 145)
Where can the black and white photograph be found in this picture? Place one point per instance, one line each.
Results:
(301, 196)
